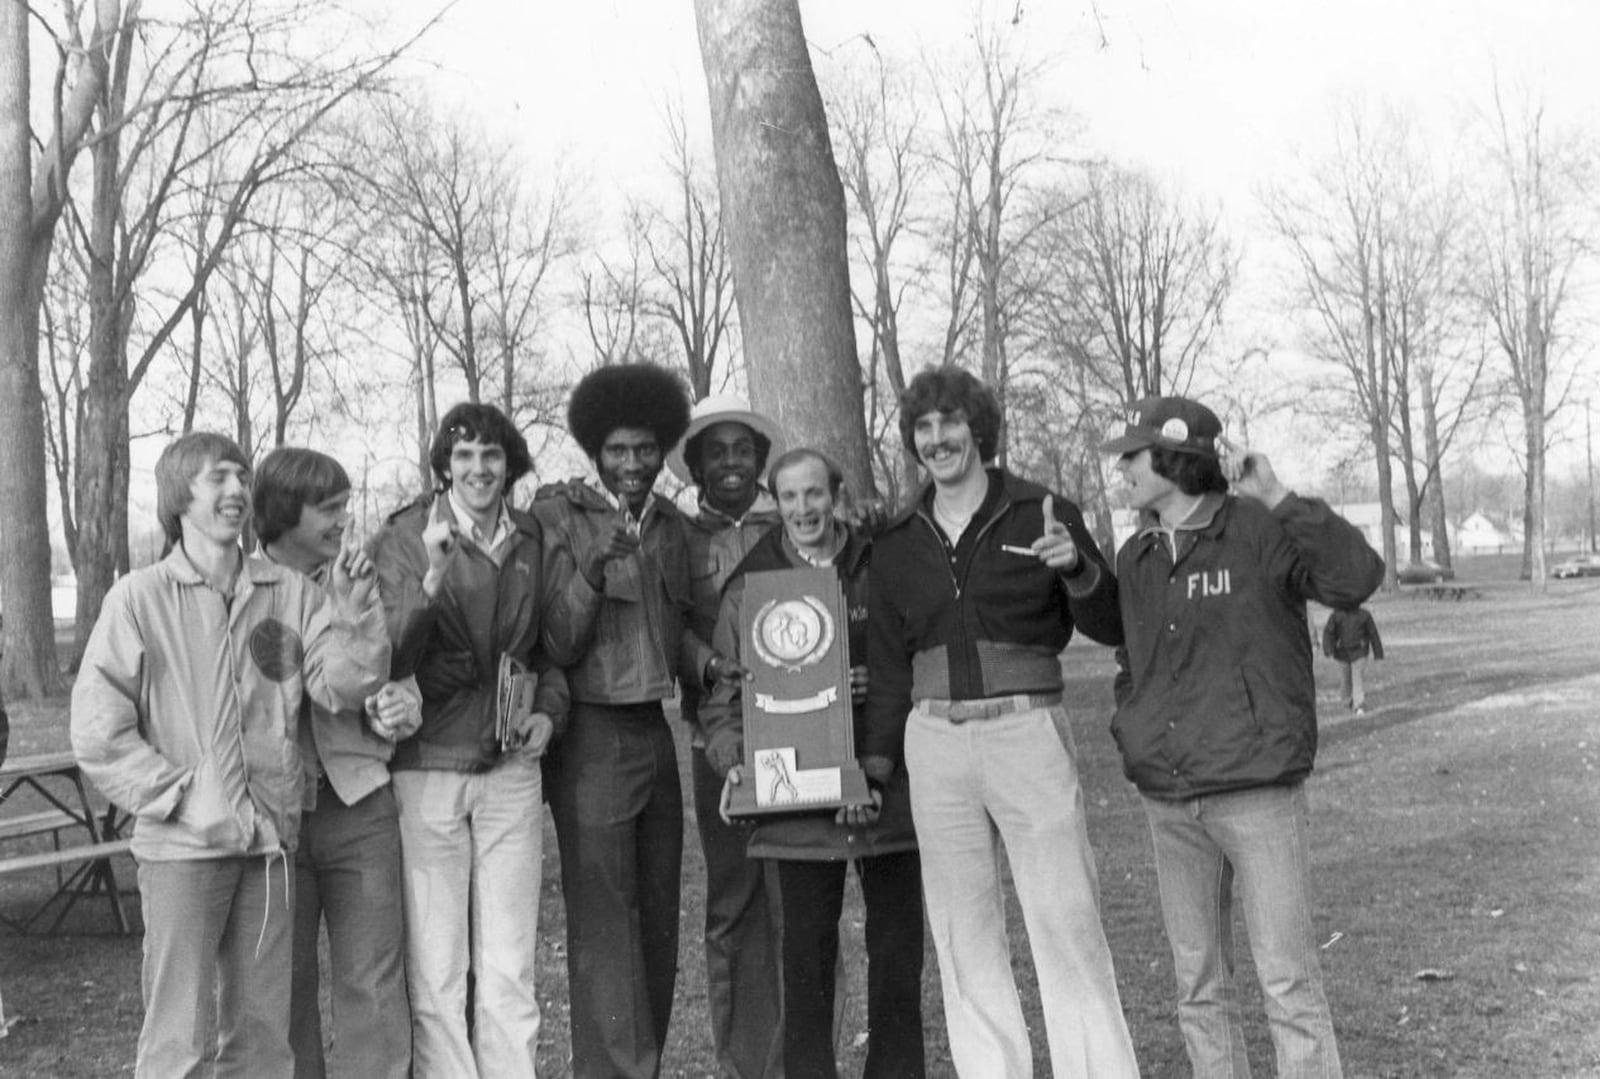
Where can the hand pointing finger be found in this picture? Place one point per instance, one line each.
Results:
(1055, 548)
(1052, 527)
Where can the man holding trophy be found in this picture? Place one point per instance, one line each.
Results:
(813, 844)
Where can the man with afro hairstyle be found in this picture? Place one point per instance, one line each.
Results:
(612, 778)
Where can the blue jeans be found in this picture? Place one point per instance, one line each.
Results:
(347, 873)
(743, 991)
(217, 945)
(1352, 675)
(1008, 787)
(1257, 838)
(617, 803)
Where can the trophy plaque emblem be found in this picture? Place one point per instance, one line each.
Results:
(799, 735)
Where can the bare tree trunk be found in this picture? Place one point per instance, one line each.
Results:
(1433, 499)
(105, 393)
(783, 205)
(28, 660)
(1399, 381)
(894, 368)
(1377, 347)
(424, 431)
(1414, 502)
(1533, 548)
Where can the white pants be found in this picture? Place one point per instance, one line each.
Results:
(1013, 779)
(472, 837)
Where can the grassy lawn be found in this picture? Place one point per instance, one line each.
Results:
(1456, 832)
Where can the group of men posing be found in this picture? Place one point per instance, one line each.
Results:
(313, 733)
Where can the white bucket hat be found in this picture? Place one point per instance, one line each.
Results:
(723, 408)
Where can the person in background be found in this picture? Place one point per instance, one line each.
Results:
(347, 862)
(614, 789)
(814, 850)
(1216, 718)
(977, 586)
(466, 586)
(724, 453)
(186, 713)
(1349, 637)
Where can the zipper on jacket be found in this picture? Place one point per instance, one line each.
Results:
(233, 615)
(949, 552)
(959, 584)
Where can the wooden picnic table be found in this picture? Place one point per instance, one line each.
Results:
(1448, 590)
(92, 840)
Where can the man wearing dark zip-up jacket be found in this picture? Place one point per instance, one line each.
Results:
(615, 795)
(1216, 719)
(976, 589)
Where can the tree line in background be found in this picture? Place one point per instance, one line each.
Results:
(210, 217)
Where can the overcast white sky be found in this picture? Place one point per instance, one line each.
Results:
(1214, 94)
(1217, 96)
(1213, 90)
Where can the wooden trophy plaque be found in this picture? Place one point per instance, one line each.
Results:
(799, 736)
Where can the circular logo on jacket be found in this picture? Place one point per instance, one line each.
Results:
(277, 650)
(792, 633)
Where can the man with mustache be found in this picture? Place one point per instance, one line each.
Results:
(347, 864)
(976, 588)
(185, 713)
(724, 453)
(614, 790)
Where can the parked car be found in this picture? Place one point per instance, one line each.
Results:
(1585, 565)
(1424, 572)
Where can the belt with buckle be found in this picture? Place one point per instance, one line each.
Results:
(989, 707)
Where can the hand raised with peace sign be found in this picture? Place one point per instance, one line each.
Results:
(1055, 548)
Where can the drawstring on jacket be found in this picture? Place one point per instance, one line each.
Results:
(266, 911)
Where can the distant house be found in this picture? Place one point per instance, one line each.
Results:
(1368, 517)
(1480, 533)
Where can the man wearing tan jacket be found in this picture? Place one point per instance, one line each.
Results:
(185, 713)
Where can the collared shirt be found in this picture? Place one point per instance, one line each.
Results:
(1199, 517)
(616, 502)
(494, 543)
(233, 582)
(840, 538)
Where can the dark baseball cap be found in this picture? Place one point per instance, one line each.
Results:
(1173, 423)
